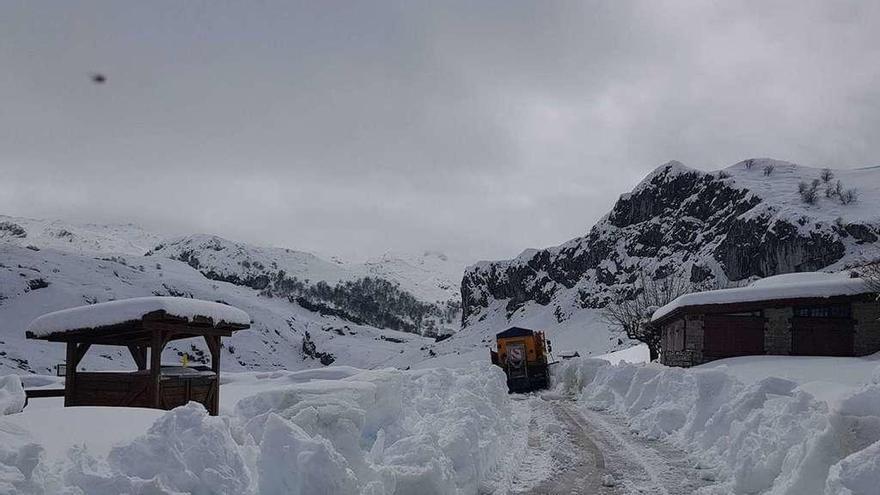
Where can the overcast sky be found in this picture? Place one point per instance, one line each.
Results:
(353, 128)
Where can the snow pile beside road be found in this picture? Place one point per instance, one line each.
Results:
(11, 395)
(765, 437)
(635, 354)
(372, 432)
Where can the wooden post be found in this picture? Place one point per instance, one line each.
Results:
(139, 354)
(213, 342)
(158, 343)
(70, 375)
(75, 353)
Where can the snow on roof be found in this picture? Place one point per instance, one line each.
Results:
(125, 310)
(789, 286)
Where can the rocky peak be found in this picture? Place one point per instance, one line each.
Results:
(712, 227)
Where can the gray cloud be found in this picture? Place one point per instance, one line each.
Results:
(479, 128)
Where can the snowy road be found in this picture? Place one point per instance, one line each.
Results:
(580, 452)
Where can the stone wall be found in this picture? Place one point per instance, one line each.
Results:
(867, 327)
(693, 343)
(694, 335)
(777, 330)
(777, 333)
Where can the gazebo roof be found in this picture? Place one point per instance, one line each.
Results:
(132, 321)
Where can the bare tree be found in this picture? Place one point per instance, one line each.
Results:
(826, 175)
(768, 169)
(871, 274)
(848, 196)
(631, 313)
(809, 192)
(833, 190)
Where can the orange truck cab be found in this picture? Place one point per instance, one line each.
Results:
(522, 354)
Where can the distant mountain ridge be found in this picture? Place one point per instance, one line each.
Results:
(388, 293)
(307, 311)
(76, 237)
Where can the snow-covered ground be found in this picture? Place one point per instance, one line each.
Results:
(334, 430)
(769, 424)
(763, 424)
(826, 378)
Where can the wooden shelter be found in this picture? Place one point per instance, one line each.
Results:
(142, 325)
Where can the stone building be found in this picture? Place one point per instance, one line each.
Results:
(801, 314)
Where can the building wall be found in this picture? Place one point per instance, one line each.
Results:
(693, 347)
(777, 330)
(777, 333)
(867, 327)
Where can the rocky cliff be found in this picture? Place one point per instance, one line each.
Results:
(752, 219)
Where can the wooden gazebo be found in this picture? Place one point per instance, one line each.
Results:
(141, 324)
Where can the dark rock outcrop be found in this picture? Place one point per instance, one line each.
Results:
(678, 221)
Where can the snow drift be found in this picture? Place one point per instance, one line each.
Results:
(11, 395)
(765, 437)
(436, 431)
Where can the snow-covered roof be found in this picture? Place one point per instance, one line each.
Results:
(126, 310)
(789, 286)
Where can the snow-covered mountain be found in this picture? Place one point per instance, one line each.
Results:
(715, 228)
(307, 311)
(387, 293)
(77, 238)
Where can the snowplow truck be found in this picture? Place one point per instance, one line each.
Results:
(522, 354)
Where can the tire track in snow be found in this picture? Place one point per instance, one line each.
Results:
(571, 451)
(580, 465)
(637, 465)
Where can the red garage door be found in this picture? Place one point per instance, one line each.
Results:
(729, 336)
(821, 336)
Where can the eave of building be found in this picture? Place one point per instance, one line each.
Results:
(745, 306)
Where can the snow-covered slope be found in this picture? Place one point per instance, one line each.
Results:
(431, 276)
(714, 228)
(78, 238)
(307, 311)
(283, 334)
(389, 292)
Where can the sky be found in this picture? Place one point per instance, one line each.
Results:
(353, 128)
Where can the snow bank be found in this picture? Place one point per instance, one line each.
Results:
(125, 310)
(19, 455)
(635, 354)
(764, 437)
(12, 395)
(789, 286)
(434, 431)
